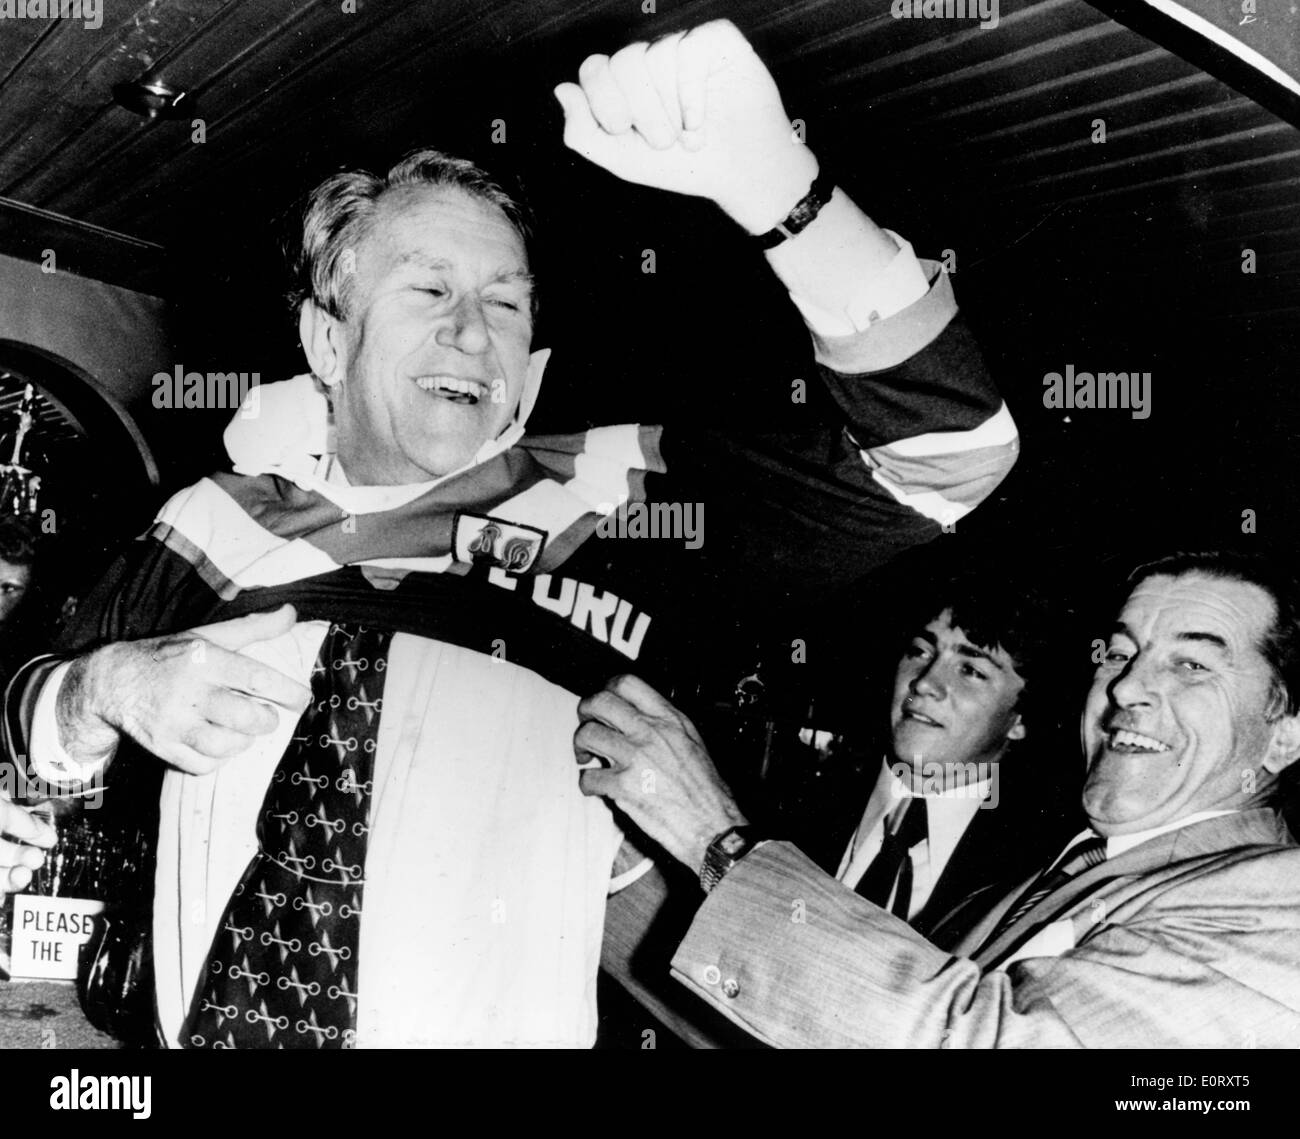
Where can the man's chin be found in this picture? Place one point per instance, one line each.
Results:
(1113, 813)
(914, 736)
(442, 456)
(438, 466)
(918, 765)
(1117, 827)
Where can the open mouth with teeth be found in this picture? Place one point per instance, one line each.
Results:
(453, 388)
(1121, 739)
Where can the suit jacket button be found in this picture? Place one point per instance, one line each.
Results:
(730, 987)
(712, 974)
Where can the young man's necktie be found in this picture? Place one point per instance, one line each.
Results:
(894, 863)
(283, 968)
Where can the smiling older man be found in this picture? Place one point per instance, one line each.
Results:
(1173, 921)
(391, 746)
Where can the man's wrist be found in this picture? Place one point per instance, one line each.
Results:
(707, 832)
(84, 732)
(725, 851)
(765, 200)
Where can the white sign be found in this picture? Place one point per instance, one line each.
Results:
(47, 934)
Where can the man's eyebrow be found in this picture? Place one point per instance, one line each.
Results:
(964, 649)
(520, 279)
(1190, 635)
(415, 257)
(978, 653)
(510, 276)
(1208, 639)
(442, 265)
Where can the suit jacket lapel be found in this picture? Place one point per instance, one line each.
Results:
(999, 848)
(973, 865)
(1061, 901)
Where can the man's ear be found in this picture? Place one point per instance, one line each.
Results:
(1017, 730)
(1284, 747)
(322, 342)
(532, 384)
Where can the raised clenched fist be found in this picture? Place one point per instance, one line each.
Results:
(697, 113)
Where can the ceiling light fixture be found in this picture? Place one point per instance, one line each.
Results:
(152, 97)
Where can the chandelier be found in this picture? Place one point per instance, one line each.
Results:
(20, 485)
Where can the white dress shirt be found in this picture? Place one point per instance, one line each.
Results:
(948, 814)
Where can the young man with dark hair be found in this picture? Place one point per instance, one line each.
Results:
(955, 807)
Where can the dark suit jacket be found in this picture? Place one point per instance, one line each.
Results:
(1191, 939)
(1002, 845)
(993, 851)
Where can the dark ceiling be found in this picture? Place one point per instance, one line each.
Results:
(990, 130)
(1125, 254)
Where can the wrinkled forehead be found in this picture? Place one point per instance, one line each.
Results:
(1196, 606)
(1236, 610)
(440, 221)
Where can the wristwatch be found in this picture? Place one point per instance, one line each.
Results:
(803, 214)
(725, 851)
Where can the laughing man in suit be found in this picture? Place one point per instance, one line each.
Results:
(1172, 921)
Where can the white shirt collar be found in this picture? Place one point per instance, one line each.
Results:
(1119, 843)
(948, 813)
(897, 789)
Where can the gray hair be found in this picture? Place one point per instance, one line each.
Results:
(339, 213)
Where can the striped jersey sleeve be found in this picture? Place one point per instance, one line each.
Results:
(922, 412)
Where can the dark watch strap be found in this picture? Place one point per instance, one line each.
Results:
(799, 218)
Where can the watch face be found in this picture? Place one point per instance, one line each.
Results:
(732, 844)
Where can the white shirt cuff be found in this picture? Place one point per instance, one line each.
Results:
(901, 283)
(48, 760)
(624, 880)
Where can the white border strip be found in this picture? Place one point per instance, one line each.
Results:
(1216, 34)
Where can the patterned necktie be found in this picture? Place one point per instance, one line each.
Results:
(894, 863)
(1083, 855)
(282, 972)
